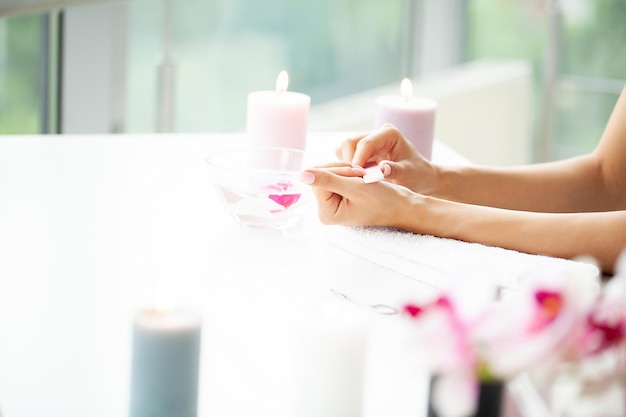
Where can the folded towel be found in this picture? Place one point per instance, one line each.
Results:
(441, 262)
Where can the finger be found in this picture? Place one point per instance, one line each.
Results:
(349, 171)
(389, 168)
(328, 201)
(344, 168)
(308, 176)
(333, 164)
(345, 151)
(330, 181)
(377, 143)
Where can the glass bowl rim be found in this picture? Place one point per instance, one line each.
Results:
(212, 165)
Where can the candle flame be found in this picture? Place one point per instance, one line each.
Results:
(406, 89)
(282, 82)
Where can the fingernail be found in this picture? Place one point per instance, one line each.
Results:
(359, 169)
(307, 177)
(386, 169)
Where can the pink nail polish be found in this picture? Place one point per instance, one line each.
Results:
(386, 169)
(359, 169)
(307, 177)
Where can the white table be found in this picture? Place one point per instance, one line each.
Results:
(89, 223)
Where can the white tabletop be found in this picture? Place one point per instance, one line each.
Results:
(88, 224)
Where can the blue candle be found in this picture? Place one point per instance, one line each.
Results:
(165, 364)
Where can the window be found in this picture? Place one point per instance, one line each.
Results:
(20, 74)
(591, 72)
(221, 50)
(210, 54)
(121, 57)
(578, 51)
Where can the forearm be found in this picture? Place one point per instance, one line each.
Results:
(564, 186)
(594, 182)
(564, 235)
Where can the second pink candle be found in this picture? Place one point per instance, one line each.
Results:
(413, 116)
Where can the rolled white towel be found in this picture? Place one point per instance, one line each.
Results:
(441, 262)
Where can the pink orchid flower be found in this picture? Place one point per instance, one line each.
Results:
(607, 321)
(442, 341)
(536, 328)
(448, 336)
(603, 344)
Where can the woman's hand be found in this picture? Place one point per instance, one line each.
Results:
(395, 155)
(343, 198)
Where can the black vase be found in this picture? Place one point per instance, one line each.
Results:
(490, 399)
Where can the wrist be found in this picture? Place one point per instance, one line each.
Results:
(443, 182)
(414, 215)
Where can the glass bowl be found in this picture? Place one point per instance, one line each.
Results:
(260, 187)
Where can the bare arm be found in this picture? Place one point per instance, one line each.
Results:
(565, 235)
(594, 182)
(343, 198)
(564, 209)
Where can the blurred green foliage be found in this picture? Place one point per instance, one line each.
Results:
(593, 44)
(19, 74)
(596, 43)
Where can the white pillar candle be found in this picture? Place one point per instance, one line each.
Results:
(165, 363)
(278, 118)
(413, 116)
(329, 360)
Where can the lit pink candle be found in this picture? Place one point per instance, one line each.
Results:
(278, 118)
(413, 116)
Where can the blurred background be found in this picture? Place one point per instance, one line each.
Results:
(518, 80)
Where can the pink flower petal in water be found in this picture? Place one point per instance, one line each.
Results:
(281, 195)
(285, 200)
(282, 186)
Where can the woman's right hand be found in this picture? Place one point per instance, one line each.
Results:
(395, 155)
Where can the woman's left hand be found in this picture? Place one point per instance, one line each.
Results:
(344, 198)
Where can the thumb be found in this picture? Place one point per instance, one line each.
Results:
(391, 170)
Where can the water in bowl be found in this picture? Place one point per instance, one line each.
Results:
(273, 205)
